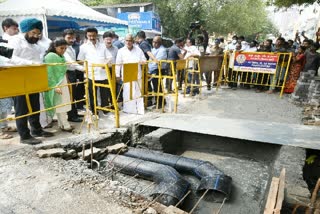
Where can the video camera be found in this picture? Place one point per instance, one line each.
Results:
(5, 51)
(195, 25)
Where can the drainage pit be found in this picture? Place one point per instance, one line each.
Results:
(251, 166)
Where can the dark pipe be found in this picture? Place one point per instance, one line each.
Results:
(169, 182)
(211, 177)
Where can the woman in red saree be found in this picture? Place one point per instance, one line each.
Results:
(296, 67)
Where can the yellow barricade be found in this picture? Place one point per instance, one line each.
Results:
(170, 77)
(28, 79)
(111, 76)
(192, 67)
(256, 68)
(21, 80)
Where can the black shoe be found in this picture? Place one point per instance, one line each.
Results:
(149, 103)
(42, 134)
(30, 141)
(75, 119)
(80, 115)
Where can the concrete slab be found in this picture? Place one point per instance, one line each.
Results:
(267, 132)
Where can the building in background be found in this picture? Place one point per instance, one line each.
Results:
(140, 16)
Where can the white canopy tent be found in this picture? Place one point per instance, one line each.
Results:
(58, 15)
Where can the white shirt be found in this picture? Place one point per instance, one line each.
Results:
(191, 51)
(44, 44)
(70, 56)
(95, 54)
(24, 53)
(129, 56)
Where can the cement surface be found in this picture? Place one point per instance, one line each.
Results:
(258, 131)
(248, 189)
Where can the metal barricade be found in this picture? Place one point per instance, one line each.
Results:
(192, 76)
(111, 85)
(170, 77)
(256, 68)
(209, 64)
(29, 79)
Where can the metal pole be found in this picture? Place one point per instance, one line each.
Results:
(195, 206)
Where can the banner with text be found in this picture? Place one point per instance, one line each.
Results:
(255, 62)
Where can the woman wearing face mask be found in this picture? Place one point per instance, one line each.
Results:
(56, 77)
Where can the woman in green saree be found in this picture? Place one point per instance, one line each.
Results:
(56, 77)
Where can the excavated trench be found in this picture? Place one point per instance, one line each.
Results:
(198, 172)
(202, 173)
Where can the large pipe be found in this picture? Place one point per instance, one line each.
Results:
(170, 184)
(210, 177)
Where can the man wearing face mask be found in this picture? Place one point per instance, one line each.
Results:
(232, 45)
(26, 52)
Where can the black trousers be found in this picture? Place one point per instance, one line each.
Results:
(104, 94)
(154, 83)
(20, 106)
(72, 77)
(80, 90)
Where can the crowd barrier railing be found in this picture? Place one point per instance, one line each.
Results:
(29, 79)
(255, 68)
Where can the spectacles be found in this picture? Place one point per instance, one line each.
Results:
(155, 42)
(129, 40)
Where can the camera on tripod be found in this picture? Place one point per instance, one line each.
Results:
(5, 51)
(195, 25)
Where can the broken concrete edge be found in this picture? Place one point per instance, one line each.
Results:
(99, 139)
(58, 153)
(293, 160)
(159, 208)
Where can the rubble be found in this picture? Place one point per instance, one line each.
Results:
(58, 152)
(117, 148)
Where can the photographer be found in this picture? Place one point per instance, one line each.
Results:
(204, 37)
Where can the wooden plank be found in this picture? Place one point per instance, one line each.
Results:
(280, 196)
(272, 196)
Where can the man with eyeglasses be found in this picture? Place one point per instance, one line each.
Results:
(160, 53)
(131, 54)
(26, 52)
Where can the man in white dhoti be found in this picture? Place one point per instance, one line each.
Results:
(131, 54)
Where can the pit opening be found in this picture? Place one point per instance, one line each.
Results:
(250, 164)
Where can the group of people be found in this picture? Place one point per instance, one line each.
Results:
(304, 58)
(31, 47)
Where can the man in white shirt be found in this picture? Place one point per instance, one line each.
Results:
(131, 54)
(10, 28)
(95, 53)
(70, 56)
(26, 51)
(113, 51)
(192, 51)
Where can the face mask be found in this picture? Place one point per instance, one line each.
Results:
(234, 41)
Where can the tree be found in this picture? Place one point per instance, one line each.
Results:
(289, 3)
(245, 17)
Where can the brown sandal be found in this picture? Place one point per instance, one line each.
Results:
(4, 136)
(9, 129)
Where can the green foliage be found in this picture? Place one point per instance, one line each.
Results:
(92, 2)
(245, 17)
(289, 3)
(311, 159)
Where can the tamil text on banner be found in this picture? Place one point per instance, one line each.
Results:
(255, 62)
